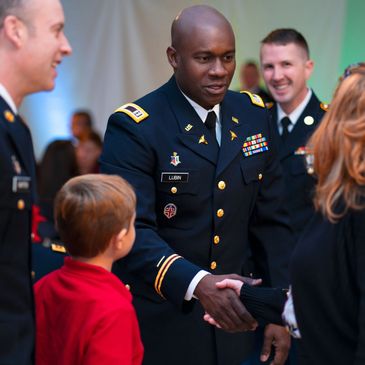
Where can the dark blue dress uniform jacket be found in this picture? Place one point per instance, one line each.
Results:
(204, 212)
(16, 298)
(299, 183)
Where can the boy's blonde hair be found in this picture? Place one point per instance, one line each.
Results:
(90, 210)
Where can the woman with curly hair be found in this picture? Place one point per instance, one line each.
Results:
(328, 265)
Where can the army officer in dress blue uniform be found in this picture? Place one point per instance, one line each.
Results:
(286, 67)
(29, 53)
(207, 193)
(296, 112)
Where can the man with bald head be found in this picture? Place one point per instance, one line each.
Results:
(208, 184)
(32, 44)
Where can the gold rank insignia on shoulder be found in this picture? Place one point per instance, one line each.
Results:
(58, 248)
(134, 111)
(255, 99)
(324, 106)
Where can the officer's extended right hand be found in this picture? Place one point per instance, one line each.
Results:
(224, 305)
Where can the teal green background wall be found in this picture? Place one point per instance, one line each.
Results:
(353, 42)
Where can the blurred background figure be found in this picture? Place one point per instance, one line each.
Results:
(56, 167)
(88, 151)
(250, 80)
(81, 124)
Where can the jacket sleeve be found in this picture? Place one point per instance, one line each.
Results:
(358, 239)
(264, 304)
(128, 154)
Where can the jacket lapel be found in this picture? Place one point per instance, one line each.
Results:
(194, 135)
(19, 137)
(300, 131)
(232, 139)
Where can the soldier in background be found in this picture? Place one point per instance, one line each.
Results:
(250, 80)
(32, 44)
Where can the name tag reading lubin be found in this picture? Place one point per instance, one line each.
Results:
(21, 184)
(167, 177)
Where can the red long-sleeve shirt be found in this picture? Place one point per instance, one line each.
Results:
(84, 316)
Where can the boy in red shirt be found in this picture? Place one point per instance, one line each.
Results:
(84, 313)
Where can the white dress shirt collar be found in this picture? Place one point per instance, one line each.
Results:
(295, 114)
(203, 113)
(9, 100)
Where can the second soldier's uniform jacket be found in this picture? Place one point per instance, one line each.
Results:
(17, 193)
(199, 206)
(297, 163)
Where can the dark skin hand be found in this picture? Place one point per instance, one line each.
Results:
(224, 305)
(279, 338)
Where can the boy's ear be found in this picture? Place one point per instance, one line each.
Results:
(119, 238)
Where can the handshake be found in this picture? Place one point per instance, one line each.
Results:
(235, 303)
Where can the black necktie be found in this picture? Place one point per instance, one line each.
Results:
(285, 122)
(210, 123)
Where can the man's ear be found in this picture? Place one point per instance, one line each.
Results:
(172, 56)
(14, 30)
(309, 65)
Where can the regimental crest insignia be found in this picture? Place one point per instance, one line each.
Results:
(134, 111)
(16, 165)
(307, 153)
(170, 210)
(175, 159)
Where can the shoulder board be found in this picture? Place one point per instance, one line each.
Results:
(255, 99)
(134, 111)
(324, 106)
(269, 105)
(58, 248)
